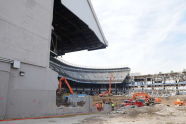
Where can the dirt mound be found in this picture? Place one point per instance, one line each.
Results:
(159, 109)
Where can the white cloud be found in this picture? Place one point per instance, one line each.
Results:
(137, 32)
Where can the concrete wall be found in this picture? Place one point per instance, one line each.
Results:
(25, 35)
(4, 79)
(33, 94)
(25, 31)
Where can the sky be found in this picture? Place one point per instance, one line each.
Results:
(148, 36)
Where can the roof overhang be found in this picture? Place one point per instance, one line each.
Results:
(76, 27)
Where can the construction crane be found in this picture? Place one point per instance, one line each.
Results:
(109, 91)
(61, 80)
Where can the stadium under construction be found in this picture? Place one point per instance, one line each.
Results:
(162, 84)
(34, 34)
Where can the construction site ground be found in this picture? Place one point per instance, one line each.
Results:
(119, 99)
(164, 113)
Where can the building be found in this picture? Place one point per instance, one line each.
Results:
(32, 32)
(162, 83)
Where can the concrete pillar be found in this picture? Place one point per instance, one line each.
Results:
(115, 88)
(164, 80)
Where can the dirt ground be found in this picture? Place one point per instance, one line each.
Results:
(119, 99)
(158, 114)
(115, 99)
(164, 113)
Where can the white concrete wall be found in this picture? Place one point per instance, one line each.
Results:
(170, 87)
(158, 88)
(182, 88)
(25, 30)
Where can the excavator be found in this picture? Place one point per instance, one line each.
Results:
(61, 94)
(148, 100)
(179, 102)
(60, 89)
(109, 91)
(144, 97)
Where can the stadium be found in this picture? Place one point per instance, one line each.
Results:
(37, 85)
(33, 34)
(91, 80)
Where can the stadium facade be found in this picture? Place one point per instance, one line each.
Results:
(159, 84)
(32, 34)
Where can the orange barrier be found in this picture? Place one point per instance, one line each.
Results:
(157, 100)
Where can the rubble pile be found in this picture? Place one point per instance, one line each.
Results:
(128, 110)
(158, 110)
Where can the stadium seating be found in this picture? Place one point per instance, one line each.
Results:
(88, 75)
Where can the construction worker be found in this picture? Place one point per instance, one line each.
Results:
(97, 106)
(113, 105)
(101, 106)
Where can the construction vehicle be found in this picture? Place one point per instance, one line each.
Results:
(60, 89)
(61, 94)
(157, 100)
(132, 103)
(179, 102)
(109, 91)
(144, 97)
(99, 106)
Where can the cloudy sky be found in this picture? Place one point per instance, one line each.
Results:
(149, 36)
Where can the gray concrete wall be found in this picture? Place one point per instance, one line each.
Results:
(25, 31)
(25, 35)
(33, 94)
(4, 79)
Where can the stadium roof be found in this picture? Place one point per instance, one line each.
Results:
(74, 28)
